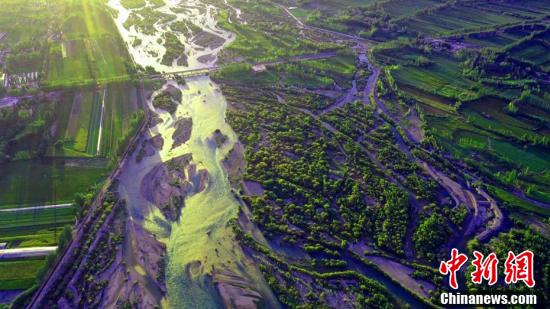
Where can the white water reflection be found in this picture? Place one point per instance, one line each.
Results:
(201, 246)
(151, 49)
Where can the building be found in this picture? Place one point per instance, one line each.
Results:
(259, 68)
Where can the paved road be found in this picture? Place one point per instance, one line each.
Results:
(206, 70)
(332, 32)
(26, 252)
(304, 57)
(22, 209)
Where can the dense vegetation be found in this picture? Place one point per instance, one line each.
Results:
(320, 192)
(71, 115)
(371, 149)
(325, 181)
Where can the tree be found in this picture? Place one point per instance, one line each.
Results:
(512, 108)
(430, 235)
(64, 238)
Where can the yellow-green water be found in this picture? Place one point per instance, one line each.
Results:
(201, 244)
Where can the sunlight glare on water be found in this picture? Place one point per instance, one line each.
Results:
(201, 241)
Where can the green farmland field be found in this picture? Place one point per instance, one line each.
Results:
(452, 18)
(38, 217)
(400, 8)
(90, 50)
(20, 274)
(308, 74)
(489, 113)
(79, 116)
(34, 227)
(121, 110)
(460, 135)
(536, 52)
(33, 236)
(441, 78)
(256, 45)
(78, 129)
(36, 182)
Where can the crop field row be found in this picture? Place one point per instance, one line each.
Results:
(95, 123)
(532, 8)
(502, 37)
(33, 182)
(331, 7)
(91, 60)
(90, 50)
(34, 236)
(32, 228)
(456, 133)
(311, 74)
(400, 8)
(318, 73)
(19, 274)
(515, 202)
(79, 125)
(37, 217)
(489, 112)
(81, 115)
(438, 105)
(122, 103)
(460, 16)
(441, 78)
(536, 52)
(33, 14)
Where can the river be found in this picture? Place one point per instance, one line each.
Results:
(201, 248)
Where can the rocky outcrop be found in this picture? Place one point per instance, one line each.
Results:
(149, 147)
(219, 137)
(183, 131)
(234, 164)
(137, 276)
(168, 183)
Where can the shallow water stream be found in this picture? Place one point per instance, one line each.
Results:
(200, 247)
